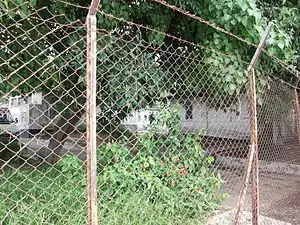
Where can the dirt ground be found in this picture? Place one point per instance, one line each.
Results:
(279, 196)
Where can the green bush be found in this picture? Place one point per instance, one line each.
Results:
(8, 147)
(170, 170)
(168, 181)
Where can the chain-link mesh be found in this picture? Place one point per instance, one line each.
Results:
(279, 151)
(169, 133)
(42, 105)
(173, 126)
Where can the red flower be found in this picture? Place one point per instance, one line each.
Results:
(183, 172)
(172, 183)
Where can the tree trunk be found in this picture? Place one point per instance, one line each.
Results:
(63, 128)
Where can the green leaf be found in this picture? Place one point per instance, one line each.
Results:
(232, 87)
(233, 22)
(227, 17)
(5, 2)
(210, 159)
(19, 1)
(245, 21)
(228, 78)
(216, 41)
(243, 5)
(33, 3)
(227, 27)
(271, 41)
(257, 15)
(281, 45)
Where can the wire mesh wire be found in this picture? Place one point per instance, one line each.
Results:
(42, 102)
(278, 151)
(172, 125)
(189, 93)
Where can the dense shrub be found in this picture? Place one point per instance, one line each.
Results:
(167, 181)
(168, 169)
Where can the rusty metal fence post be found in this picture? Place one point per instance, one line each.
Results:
(91, 113)
(296, 108)
(253, 155)
(254, 146)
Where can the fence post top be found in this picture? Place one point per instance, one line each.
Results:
(94, 6)
(259, 49)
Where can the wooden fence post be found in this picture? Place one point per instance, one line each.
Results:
(91, 112)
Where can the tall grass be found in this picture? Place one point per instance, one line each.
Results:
(46, 196)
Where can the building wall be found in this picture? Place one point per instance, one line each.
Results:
(19, 109)
(216, 123)
(199, 115)
(33, 112)
(232, 122)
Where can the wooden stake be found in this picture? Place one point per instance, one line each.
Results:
(91, 122)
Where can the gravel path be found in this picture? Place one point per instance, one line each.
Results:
(227, 218)
(279, 196)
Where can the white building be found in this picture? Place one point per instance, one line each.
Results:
(33, 112)
(232, 122)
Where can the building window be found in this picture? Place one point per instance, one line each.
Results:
(151, 118)
(188, 110)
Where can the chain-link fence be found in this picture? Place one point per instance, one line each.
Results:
(172, 124)
(42, 106)
(279, 152)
